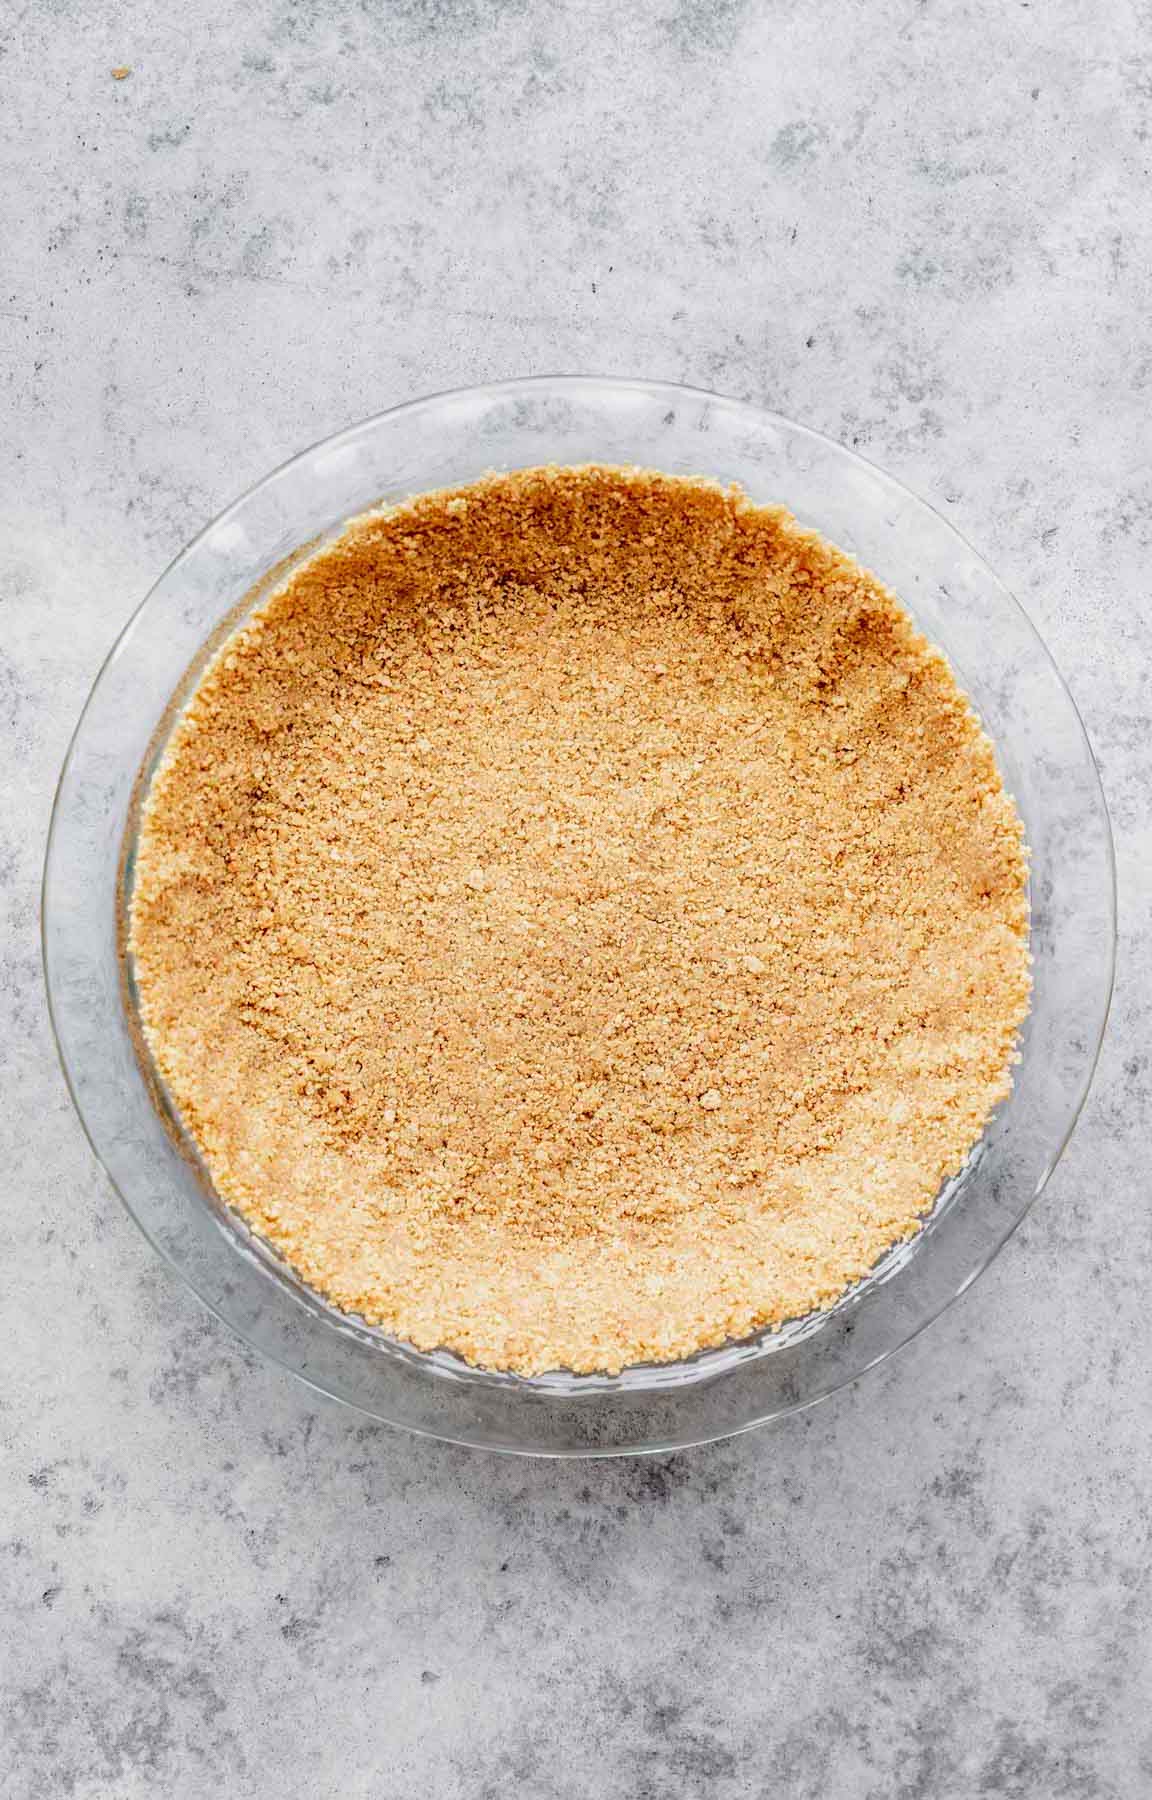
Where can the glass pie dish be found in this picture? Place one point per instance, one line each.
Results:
(958, 603)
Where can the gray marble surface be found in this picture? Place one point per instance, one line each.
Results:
(922, 227)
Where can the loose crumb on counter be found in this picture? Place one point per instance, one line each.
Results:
(579, 920)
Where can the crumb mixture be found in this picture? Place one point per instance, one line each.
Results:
(579, 920)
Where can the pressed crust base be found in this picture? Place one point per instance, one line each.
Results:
(579, 920)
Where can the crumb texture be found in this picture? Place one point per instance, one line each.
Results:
(580, 920)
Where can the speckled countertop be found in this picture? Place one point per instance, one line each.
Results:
(922, 227)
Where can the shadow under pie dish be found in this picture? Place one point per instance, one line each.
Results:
(577, 919)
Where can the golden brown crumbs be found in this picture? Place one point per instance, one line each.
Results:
(579, 920)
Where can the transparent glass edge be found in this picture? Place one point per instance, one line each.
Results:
(760, 417)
